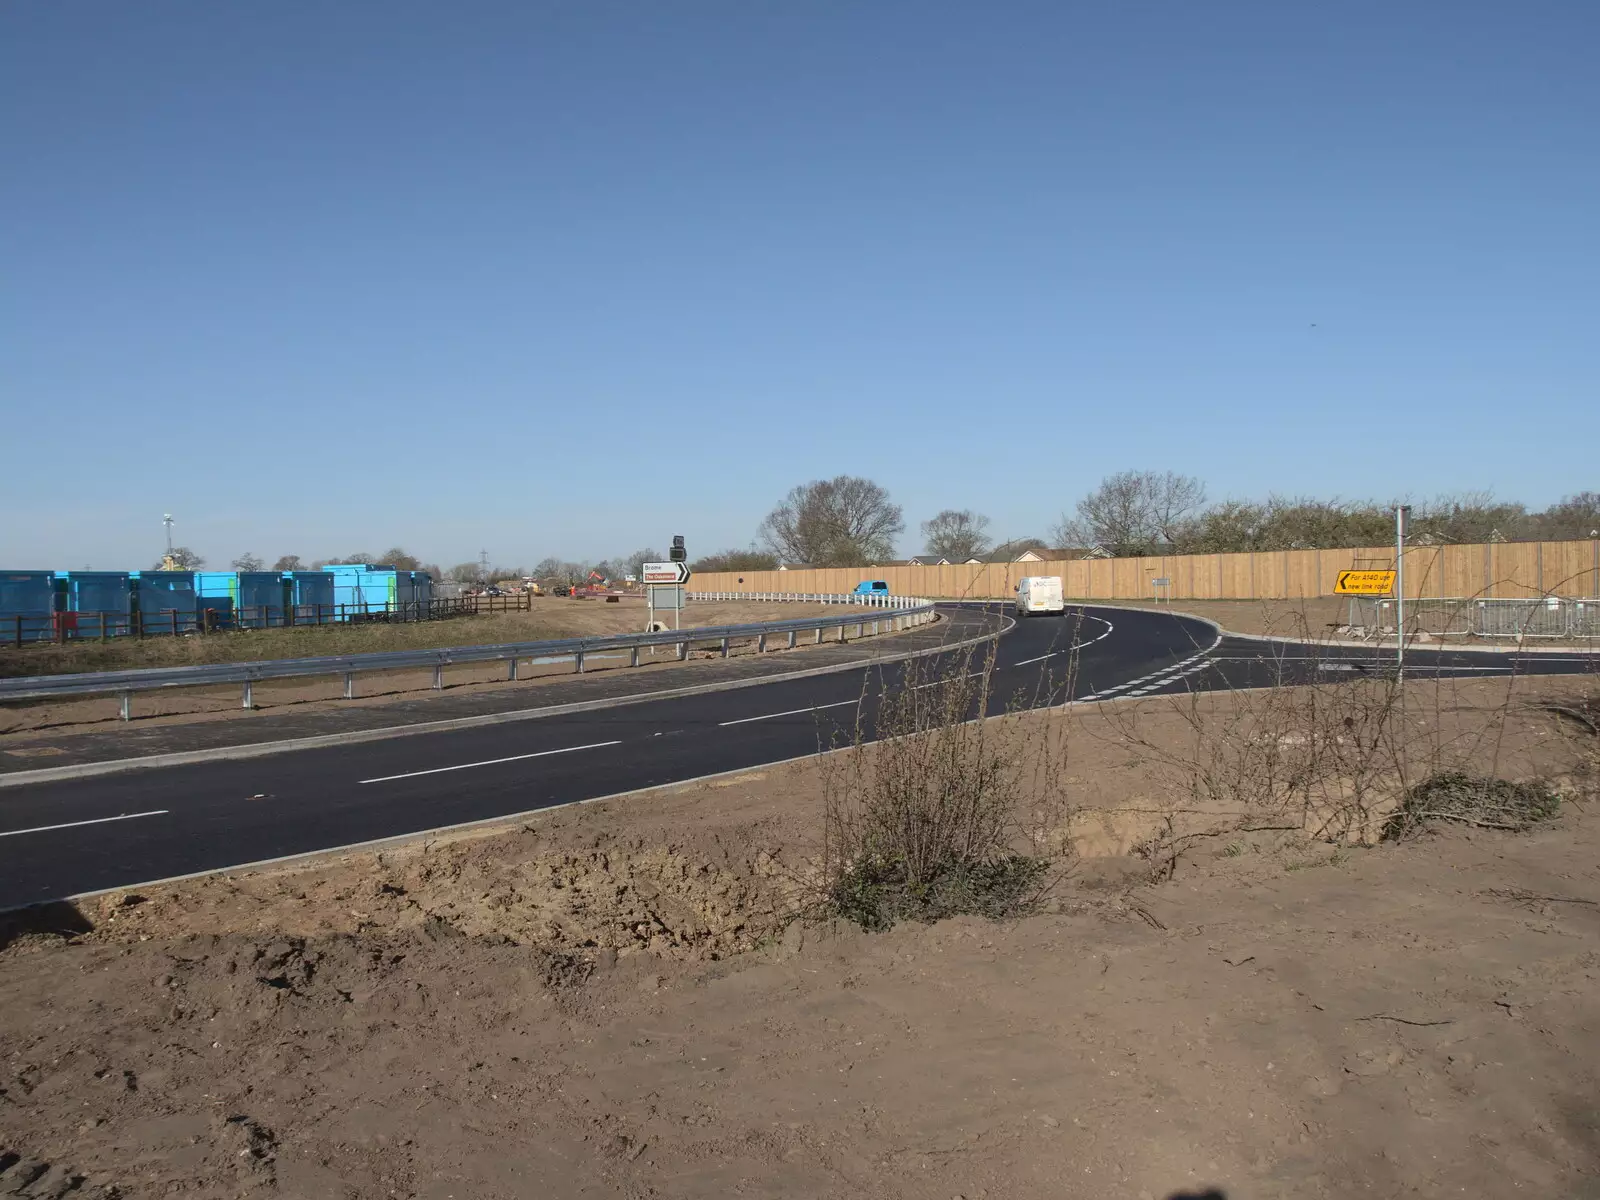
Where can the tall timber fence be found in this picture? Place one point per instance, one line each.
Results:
(1508, 570)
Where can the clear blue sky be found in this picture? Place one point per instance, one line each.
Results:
(570, 278)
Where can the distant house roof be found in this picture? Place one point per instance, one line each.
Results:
(927, 560)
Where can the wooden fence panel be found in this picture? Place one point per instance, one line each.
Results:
(1506, 569)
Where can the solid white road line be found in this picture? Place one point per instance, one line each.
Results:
(158, 812)
(937, 682)
(489, 762)
(793, 712)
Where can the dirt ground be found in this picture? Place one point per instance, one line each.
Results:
(614, 1000)
(552, 618)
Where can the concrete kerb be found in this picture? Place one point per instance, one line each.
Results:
(356, 736)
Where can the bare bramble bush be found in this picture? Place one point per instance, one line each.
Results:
(1335, 754)
(956, 807)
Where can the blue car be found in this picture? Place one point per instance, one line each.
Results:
(869, 587)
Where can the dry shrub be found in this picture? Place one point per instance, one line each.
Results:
(1353, 758)
(954, 808)
(1477, 800)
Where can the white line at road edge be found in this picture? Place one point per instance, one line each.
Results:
(158, 812)
(1075, 645)
(793, 712)
(489, 762)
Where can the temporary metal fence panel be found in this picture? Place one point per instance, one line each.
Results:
(907, 613)
(1541, 617)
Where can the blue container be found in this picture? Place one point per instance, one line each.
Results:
(263, 599)
(166, 600)
(218, 596)
(98, 597)
(359, 589)
(311, 593)
(27, 605)
(421, 588)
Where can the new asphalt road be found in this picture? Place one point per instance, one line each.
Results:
(68, 837)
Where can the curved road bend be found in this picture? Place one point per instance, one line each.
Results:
(68, 837)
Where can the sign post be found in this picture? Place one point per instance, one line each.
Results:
(666, 575)
(1402, 513)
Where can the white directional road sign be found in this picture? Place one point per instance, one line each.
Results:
(667, 572)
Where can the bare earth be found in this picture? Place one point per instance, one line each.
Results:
(552, 618)
(614, 1001)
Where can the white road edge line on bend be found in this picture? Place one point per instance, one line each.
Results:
(157, 812)
(793, 712)
(489, 762)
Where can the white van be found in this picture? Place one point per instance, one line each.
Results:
(1040, 594)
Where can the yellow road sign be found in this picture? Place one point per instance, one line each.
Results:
(1364, 583)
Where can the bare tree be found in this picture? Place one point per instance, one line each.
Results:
(183, 559)
(289, 562)
(401, 561)
(1575, 517)
(957, 534)
(634, 563)
(247, 562)
(738, 560)
(1134, 512)
(845, 521)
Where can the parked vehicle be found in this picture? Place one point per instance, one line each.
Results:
(872, 587)
(1038, 594)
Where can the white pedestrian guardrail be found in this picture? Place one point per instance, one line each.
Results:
(890, 614)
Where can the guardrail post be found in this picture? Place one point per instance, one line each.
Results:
(841, 634)
(633, 659)
(724, 647)
(791, 639)
(511, 671)
(761, 644)
(819, 635)
(683, 650)
(578, 660)
(249, 694)
(349, 685)
(125, 710)
(438, 677)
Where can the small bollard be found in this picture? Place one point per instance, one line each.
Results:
(511, 671)
(249, 695)
(438, 677)
(633, 659)
(578, 660)
(683, 651)
(791, 639)
(724, 647)
(126, 710)
(349, 685)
